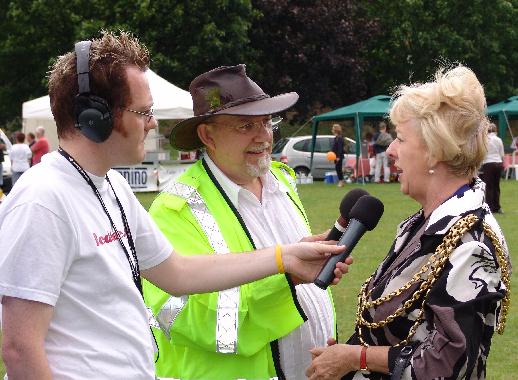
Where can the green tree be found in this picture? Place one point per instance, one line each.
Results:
(185, 38)
(332, 52)
(419, 35)
(31, 33)
(316, 48)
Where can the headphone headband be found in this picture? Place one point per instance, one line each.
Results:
(82, 61)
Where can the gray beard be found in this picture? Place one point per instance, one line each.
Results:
(259, 169)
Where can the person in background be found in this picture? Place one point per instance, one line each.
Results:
(235, 198)
(514, 143)
(382, 140)
(5, 144)
(370, 154)
(31, 139)
(20, 156)
(40, 147)
(75, 241)
(338, 149)
(491, 170)
(2, 148)
(430, 309)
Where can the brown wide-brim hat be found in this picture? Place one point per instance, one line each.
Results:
(225, 90)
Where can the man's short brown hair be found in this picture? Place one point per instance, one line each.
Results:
(110, 55)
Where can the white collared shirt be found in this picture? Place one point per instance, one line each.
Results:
(276, 220)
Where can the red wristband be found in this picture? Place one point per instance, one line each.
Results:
(363, 360)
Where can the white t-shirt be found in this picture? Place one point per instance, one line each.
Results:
(276, 220)
(20, 155)
(57, 247)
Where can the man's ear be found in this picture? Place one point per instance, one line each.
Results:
(205, 134)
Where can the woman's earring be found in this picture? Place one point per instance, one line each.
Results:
(431, 171)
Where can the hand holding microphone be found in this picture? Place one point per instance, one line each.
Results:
(348, 202)
(364, 216)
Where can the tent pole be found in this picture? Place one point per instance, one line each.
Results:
(358, 120)
(314, 129)
(361, 163)
(508, 126)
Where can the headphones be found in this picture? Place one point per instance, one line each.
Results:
(93, 114)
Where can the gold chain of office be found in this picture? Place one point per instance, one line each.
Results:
(428, 275)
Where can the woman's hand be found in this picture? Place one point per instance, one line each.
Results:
(334, 361)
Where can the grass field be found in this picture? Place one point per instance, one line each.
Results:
(321, 202)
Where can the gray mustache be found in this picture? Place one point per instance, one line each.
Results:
(259, 147)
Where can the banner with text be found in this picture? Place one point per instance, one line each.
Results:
(148, 177)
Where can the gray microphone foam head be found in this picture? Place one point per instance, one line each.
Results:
(368, 210)
(350, 200)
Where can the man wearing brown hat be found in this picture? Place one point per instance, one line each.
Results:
(233, 199)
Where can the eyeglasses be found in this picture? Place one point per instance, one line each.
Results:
(254, 127)
(148, 114)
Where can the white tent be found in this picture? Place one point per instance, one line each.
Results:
(170, 102)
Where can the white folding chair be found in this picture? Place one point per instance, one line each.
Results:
(513, 167)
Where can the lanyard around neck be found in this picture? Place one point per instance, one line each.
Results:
(133, 259)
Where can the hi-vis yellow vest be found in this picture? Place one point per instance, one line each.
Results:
(231, 334)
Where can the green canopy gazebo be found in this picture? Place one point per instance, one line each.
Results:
(504, 110)
(377, 106)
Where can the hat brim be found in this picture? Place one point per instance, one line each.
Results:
(184, 135)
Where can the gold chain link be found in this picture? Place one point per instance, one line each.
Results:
(503, 263)
(428, 275)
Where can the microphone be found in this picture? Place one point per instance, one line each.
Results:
(364, 216)
(348, 202)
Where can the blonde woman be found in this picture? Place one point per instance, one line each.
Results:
(492, 167)
(432, 306)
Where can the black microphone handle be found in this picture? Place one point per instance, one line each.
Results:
(337, 231)
(354, 232)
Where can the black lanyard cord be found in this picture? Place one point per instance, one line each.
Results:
(133, 259)
(135, 270)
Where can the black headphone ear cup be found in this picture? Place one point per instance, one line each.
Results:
(93, 114)
(94, 117)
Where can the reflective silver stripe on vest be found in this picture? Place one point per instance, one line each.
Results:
(228, 300)
(290, 179)
(168, 312)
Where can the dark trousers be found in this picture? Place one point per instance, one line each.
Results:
(338, 167)
(491, 173)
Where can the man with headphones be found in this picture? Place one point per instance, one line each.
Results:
(74, 240)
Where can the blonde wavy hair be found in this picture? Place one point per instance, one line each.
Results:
(450, 114)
